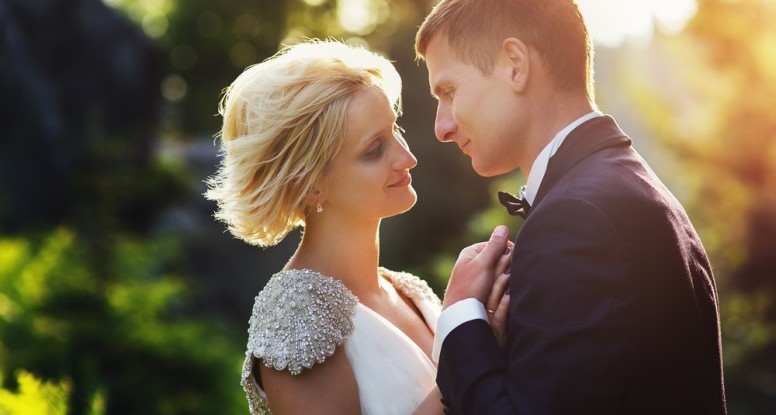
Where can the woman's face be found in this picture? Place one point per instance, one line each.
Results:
(369, 178)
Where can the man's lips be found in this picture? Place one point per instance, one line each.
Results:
(405, 180)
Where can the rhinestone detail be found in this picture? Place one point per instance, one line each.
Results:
(299, 319)
(411, 285)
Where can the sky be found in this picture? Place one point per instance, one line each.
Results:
(611, 22)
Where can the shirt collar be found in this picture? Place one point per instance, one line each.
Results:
(539, 166)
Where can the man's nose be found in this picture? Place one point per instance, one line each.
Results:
(444, 125)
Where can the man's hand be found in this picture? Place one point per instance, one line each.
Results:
(477, 267)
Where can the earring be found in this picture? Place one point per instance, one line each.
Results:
(318, 207)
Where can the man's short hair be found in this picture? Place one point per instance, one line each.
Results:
(475, 30)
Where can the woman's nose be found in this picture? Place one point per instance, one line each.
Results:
(406, 160)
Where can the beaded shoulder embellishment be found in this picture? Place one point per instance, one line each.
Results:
(411, 285)
(299, 318)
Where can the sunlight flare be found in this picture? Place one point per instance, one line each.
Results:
(612, 22)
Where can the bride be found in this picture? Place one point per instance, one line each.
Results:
(310, 139)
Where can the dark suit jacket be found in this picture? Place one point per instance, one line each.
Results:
(613, 304)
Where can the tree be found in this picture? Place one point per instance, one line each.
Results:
(721, 126)
(114, 339)
(91, 311)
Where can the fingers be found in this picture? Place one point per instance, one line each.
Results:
(495, 246)
(476, 269)
(504, 263)
(498, 321)
(471, 251)
(489, 253)
(502, 311)
(494, 297)
(498, 308)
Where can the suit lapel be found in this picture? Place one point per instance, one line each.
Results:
(590, 137)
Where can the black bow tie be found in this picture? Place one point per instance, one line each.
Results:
(515, 206)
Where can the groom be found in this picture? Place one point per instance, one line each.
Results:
(612, 302)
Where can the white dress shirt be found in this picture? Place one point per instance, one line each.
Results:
(470, 308)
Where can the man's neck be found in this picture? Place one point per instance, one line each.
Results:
(536, 174)
(564, 110)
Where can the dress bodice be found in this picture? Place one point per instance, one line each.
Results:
(301, 316)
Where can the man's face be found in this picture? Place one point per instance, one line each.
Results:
(477, 112)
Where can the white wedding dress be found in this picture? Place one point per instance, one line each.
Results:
(301, 316)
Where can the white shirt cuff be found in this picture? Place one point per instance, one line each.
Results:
(452, 317)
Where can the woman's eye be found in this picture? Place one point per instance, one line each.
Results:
(375, 151)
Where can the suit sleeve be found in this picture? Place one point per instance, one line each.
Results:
(571, 332)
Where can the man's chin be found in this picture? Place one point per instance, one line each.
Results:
(484, 170)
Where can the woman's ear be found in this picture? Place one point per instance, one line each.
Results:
(515, 55)
(313, 200)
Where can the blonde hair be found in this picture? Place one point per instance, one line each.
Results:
(283, 121)
(475, 29)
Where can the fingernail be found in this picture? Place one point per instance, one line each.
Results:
(500, 231)
(509, 270)
(507, 251)
(507, 291)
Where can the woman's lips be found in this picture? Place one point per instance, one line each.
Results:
(405, 180)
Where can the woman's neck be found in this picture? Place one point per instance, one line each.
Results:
(345, 250)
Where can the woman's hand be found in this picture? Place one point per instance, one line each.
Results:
(497, 304)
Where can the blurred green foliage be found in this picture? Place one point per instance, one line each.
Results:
(113, 340)
(36, 397)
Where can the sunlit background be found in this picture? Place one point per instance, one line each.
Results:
(119, 294)
(612, 22)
